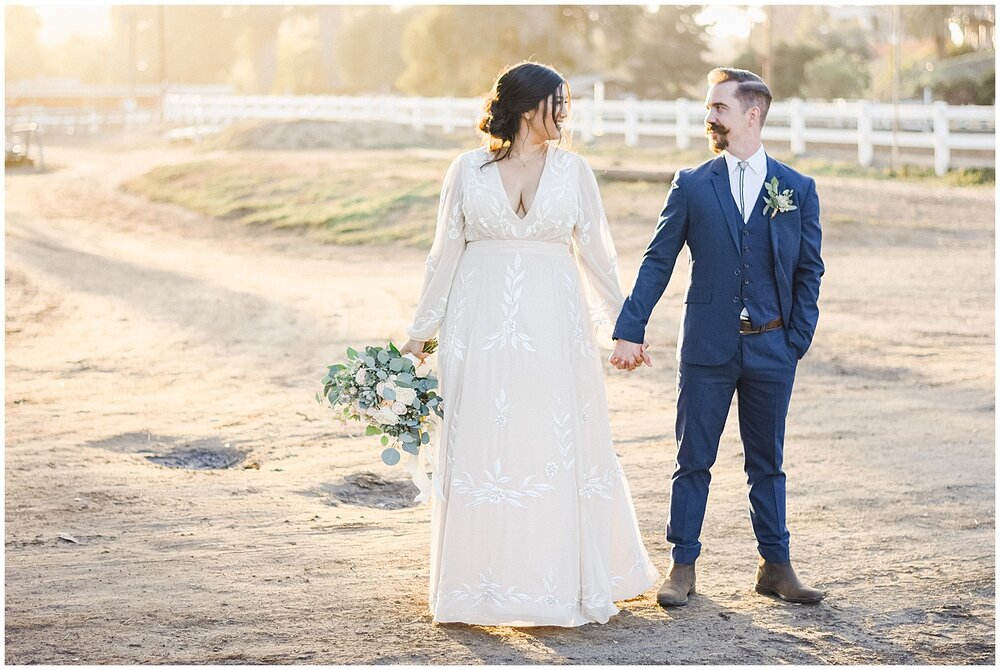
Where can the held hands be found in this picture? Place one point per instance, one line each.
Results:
(629, 355)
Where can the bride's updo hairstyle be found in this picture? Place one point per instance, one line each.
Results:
(517, 90)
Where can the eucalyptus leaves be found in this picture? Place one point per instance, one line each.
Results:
(380, 387)
(777, 201)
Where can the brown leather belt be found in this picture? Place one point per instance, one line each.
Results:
(747, 329)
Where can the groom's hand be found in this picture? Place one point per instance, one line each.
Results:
(629, 355)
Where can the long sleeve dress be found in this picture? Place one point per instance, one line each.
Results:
(533, 524)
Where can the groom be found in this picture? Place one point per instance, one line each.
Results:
(749, 316)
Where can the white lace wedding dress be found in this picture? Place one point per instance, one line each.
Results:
(533, 524)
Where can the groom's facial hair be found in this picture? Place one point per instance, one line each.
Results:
(720, 140)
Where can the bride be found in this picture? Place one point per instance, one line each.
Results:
(533, 524)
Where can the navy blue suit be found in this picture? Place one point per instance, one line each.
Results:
(771, 267)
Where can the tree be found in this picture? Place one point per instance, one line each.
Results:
(789, 69)
(835, 74)
(929, 21)
(669, 50)
(459, 50)
(257, 45)
(22, 53)
(367, 48)
(200, 42)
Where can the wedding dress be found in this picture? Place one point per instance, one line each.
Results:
(533, 522)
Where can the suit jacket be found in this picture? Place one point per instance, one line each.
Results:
(699, 213)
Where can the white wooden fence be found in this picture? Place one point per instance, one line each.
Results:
(938, 127)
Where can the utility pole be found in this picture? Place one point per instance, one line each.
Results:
(768, 64)
(896, 49)
(162, 15)
(131, 54)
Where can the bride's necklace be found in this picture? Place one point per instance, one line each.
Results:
(524, 164)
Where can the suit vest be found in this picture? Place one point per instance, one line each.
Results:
(758, 286)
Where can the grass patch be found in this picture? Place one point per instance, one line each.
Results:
(375, 202)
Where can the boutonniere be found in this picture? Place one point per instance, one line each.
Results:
(777, 201)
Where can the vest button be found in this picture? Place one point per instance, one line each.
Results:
(737, 273)
(736, 298)
(746, 282)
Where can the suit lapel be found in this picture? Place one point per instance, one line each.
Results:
(773, 170)
(722, 189)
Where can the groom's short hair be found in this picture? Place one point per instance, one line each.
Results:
(751, 90)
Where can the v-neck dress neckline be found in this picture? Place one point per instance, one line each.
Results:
(538, 186)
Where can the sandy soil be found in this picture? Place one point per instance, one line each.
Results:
(141, 336)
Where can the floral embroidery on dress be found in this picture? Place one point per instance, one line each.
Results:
(489, 591)
(599, 485)
(580, 341)
(508, 329)
(492, 491)
(432, 316)
(451, 345)
(564, 429)
(502, 407)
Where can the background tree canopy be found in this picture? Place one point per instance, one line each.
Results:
(457, 50)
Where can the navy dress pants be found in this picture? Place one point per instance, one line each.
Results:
(761, 374)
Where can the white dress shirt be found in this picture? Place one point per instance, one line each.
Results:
(753, 180)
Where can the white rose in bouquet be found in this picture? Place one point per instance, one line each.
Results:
(382, 386)
(399, 408)
(386, 417)
(361, 376)
(406, 396)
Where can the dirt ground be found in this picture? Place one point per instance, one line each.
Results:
(141, 336)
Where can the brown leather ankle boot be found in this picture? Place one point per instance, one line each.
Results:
(779, 579)
(677, 586)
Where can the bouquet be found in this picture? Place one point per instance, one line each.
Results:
(380, 387)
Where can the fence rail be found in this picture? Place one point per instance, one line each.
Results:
(863, 125)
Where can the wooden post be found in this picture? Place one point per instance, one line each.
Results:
(866, 149)
(942, 153)
(797, 126)
(683, 124)
(587, 122)
(598, 118)
(449, 115)
(631, 122)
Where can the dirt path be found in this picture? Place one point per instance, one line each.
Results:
(137, 330)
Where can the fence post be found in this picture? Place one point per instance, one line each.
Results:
(631, 121)
(797, 126)
(587, 122)
(597, 124)
(449, 115)
(418, 114)
(683, 124)
(942, 153)
(866, 148)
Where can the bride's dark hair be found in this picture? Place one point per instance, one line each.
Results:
(518, 89)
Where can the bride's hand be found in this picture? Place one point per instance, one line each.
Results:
(414, 347)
